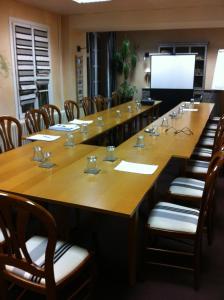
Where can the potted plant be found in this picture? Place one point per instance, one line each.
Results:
(125, 61)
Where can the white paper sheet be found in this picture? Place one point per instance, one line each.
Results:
(64, 127)
(126, 166)
(190, 109)
(195, 102)
(43, 137)
(78, 122)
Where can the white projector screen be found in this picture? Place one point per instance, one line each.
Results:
(172, 71)
(218, 78)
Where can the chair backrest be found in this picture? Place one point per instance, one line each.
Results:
(218, 140)
(115, 99)
(101, 103)
(53, 114)
(6, 128)
(89, 106)
(15, 213)
(36, 120)
(215, 165)
(71, 110)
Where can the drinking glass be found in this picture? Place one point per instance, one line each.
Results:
(173, 115)
(84, 128)
(118, 113)
(140, 141)
(69, 140)
(47, 160)
(164, 122)
(38, 153)
(91, 167)
(100, 121)
(138, 106)
(129, 108)
(192, 102)
(110, 153)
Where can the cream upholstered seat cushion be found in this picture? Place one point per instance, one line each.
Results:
(207, 142)
(211, 126)
(197, 166)
(209, 133)
(66, 259)
(203, 152)
(215, 119)
(169, 216)
(184, 186)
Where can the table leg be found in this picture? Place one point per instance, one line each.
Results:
(132, 248)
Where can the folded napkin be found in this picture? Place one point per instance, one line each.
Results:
(64, 127)
(43, 137)
(126, 166)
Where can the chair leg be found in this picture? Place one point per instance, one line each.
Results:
(197, 264)
(51, 294)
(3, 289)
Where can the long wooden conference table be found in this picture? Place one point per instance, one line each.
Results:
(110, 192)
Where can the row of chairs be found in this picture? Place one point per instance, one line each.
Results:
(35, 120)
(188, 208)
(47, 115)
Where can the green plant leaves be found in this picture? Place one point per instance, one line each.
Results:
(125, 62)
(125, 49)
(126, 70)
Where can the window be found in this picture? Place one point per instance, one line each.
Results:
(30, 49)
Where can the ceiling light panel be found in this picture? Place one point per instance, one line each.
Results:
(90, 1)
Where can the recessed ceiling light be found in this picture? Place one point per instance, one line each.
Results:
(90, 1)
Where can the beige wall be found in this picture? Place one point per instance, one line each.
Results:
(70, 40)
(148, 41)
(9, 8)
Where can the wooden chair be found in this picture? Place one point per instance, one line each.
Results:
(177, 224)
(101, 103)
(36, 120)
(115, 99)
(89, 106)
(6, 129)
(41, 264)
(53, 114)
(71, 110)
(205, 152)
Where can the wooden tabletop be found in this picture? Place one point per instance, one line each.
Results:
(181, 144)
(109, 119)
(110, 191)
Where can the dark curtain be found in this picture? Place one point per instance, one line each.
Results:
(101, 74)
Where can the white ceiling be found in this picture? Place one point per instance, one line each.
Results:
(69, 7)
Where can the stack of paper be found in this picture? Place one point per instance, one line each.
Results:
(190, 109)
(79, 122)
(126, 166)
(43, 137)
(64, 127)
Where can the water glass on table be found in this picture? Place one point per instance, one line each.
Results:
(110, 154)
(140, 141)
(38, 154)
(84, 128)
(91, 167)
(69, 140)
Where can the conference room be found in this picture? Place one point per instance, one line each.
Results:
(111, 140)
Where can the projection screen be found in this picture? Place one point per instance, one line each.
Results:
(172, 71)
